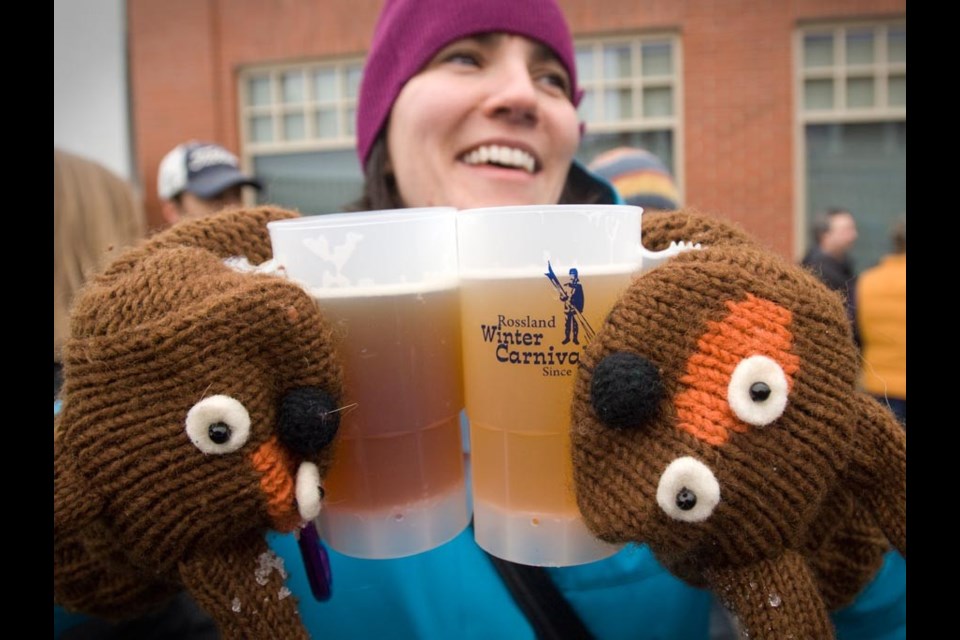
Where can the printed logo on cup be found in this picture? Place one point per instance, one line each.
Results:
(552, 342)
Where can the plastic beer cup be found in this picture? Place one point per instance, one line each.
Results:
(536, 282)
(387, 281)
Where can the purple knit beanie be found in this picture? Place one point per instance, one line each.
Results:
(410, 32)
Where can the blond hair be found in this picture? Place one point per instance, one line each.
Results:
(96, 213)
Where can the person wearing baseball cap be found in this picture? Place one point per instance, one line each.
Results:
(197, 179)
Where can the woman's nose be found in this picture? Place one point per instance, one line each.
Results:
(513, 94)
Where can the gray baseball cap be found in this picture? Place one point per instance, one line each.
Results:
(204, 169)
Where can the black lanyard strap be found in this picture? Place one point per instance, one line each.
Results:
(538, 597)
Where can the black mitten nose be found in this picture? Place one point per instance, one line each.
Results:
(308, 420)
(626, 390)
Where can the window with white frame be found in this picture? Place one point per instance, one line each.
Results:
(632, 95)
(855, 72)
(298, 133)
(298, 120)
(312, 106)
(852, 106)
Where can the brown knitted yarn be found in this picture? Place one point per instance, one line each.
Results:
(776, 598)
(659, 228)
(724, 484)
(140, 510)
(260, 606)
(241, 232)
(849, 554)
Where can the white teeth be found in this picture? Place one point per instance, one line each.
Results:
(506, 156)
(308, 491)
(684, 246)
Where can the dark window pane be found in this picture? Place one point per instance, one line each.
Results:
(861, 167)
(313, 182)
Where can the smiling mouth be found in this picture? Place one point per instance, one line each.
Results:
(501, 156)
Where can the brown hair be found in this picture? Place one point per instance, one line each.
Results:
(379, 185)
(96, 213)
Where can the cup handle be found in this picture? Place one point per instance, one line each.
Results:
(650, 259)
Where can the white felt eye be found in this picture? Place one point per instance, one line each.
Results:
(218, 424)
(688, 490)
(758, 390)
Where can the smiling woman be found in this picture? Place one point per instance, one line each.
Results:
(478, 110)
(466, 104)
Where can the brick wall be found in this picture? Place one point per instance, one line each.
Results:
(738, 80)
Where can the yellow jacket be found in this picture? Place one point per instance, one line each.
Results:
(882, 320)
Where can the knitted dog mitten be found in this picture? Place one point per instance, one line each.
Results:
(199, 412)
(716, 418)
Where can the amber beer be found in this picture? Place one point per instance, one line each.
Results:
(387, 283)
(519, 383)
(402, 371)
(536, 284)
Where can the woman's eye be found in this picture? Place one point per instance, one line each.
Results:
(218, 425)
(464, 58)
(556, 81)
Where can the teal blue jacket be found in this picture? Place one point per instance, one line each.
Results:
(453, 591)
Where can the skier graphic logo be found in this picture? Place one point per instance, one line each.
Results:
(571, 295)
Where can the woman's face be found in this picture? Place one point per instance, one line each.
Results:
(487, 122)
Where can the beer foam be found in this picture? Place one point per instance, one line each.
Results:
(373, 291)
(561, 271)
